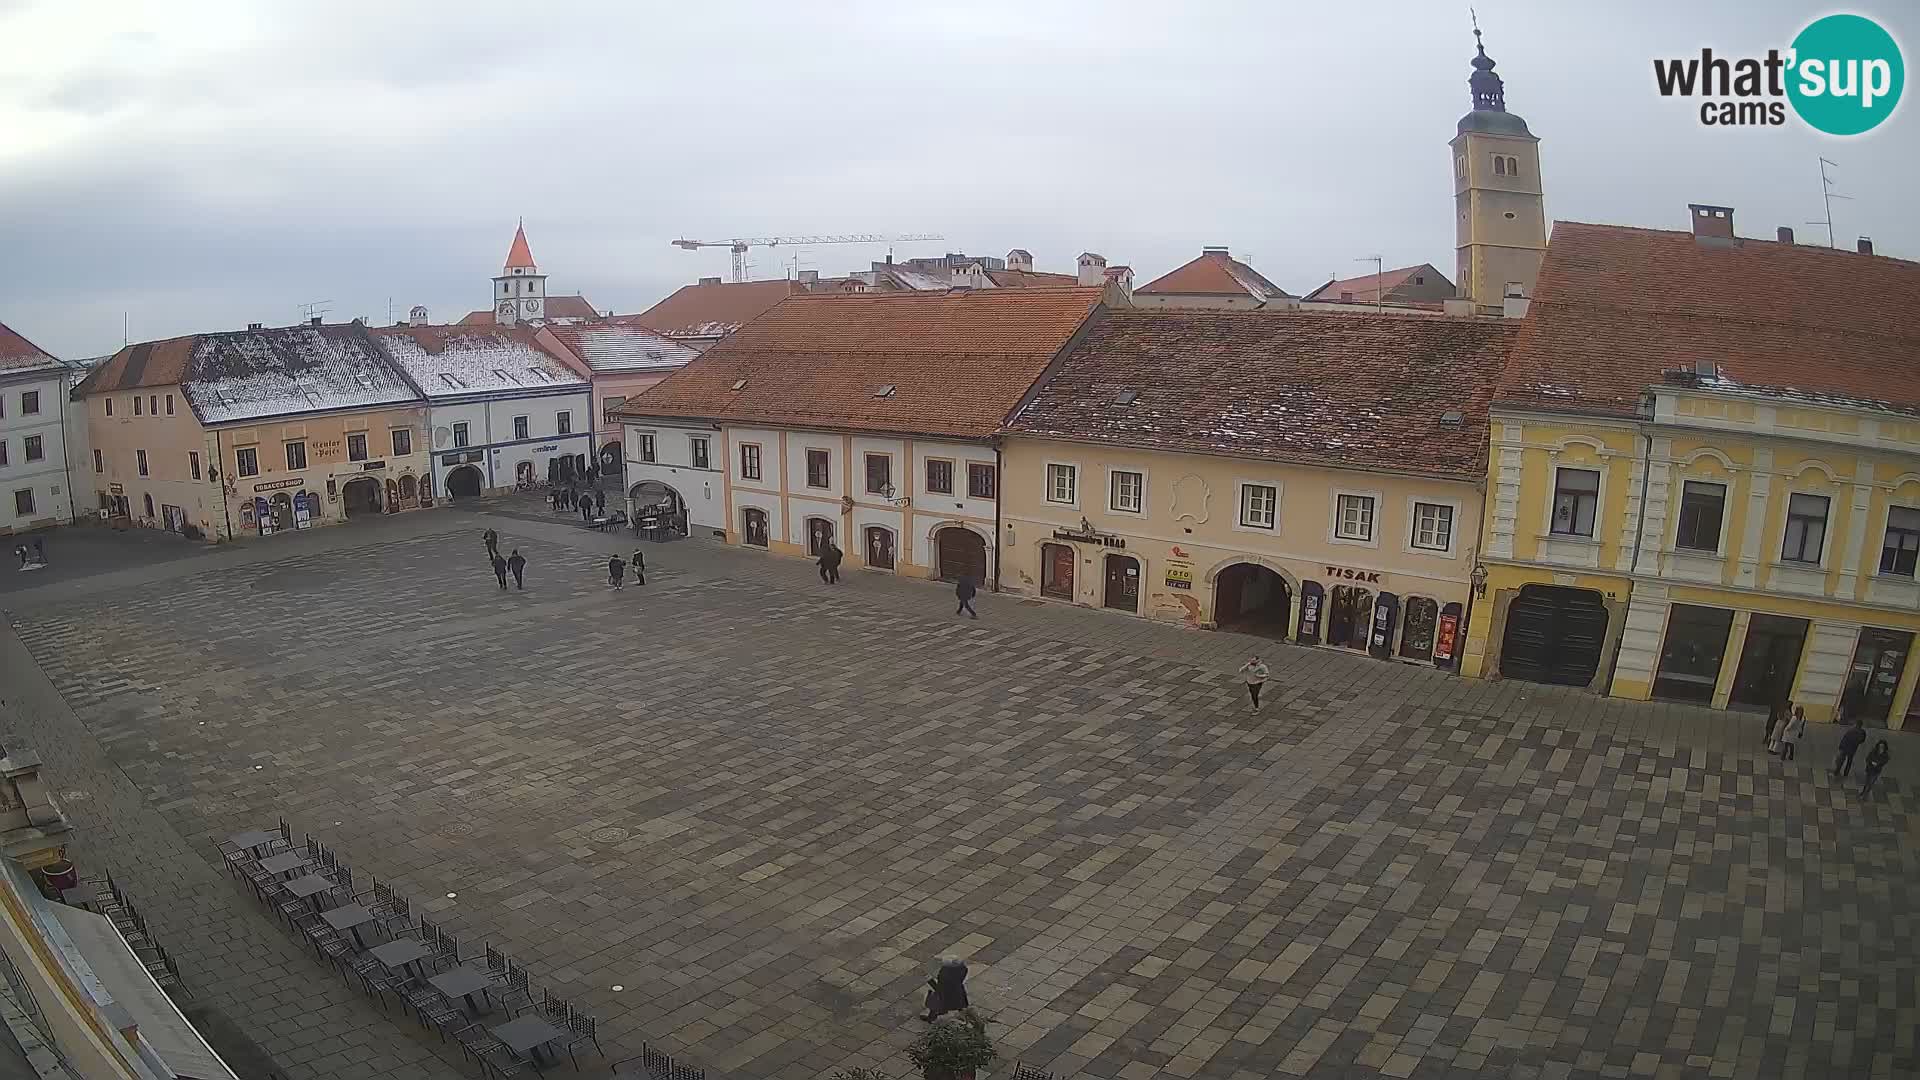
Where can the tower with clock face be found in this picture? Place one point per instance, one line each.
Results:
(520, 292)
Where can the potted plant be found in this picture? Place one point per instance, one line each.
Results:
(953, 1047)
(61, 874)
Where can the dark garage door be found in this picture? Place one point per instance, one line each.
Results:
(1554, 635)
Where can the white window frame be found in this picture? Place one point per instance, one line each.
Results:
(1678, 500)
(759, 462)
(646, 444)
(705, 443)
(1886, 522)
(240, 470)
(1112, 508)
(520, 423)
(1414, 503)
(1599, 501)
(1827, 540)
(1240, 506)
(462, 434)
(806, 468)
(287, 446)
(1046, 490)
(1376, 521)
(563, 422)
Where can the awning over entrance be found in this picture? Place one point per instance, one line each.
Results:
(126, 980)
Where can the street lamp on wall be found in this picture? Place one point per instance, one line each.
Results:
(1479, 579)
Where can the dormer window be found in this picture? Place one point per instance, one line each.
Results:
(885, 391)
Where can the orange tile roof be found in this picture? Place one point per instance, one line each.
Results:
(1365, 289)
(17, 352)
(1615, 307)
(520, 255)
(1214, 273)
(1354, 390)
(958, 362)
(713, 309)
(145, 363)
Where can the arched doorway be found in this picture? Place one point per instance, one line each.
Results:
(523, 475)
(393, 495)
(961, 553)
(1252, 599)
(464, 482)
(149, 506)
(1349, 617)
(879, 547)
(361, 496)
(656, 502)
(819, 536)
(1123, 583)
(1416, 636)
(409, 490)
(1056, 571)
(610, 458)
(753, 526)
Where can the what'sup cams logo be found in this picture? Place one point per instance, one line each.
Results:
(1842, 75)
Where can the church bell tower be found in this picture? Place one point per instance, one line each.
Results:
(1500, 217)
(520, 292)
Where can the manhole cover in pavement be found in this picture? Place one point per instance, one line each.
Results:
(458, 828)
(612, 834)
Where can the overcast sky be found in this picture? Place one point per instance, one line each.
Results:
(199, 165)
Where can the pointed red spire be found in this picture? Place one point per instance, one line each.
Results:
(520, 255)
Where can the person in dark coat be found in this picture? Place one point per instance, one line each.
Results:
(639, 567)
(500, 569)
(616, 573)
(586, 511)
(947, 991)
(1876, 761)
(830, 565)
(493, 544)
(964, 590)
(518, 564)
(1849, 744)
(599, 504)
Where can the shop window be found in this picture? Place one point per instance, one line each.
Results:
(1806, 529)
(1576, 498)
(1901, 548)
(1691, 653)
(1703, 507)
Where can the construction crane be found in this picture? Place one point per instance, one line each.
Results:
(739, 246)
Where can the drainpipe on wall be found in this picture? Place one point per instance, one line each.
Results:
(998, 545)
(66, 445)
(226, 503)
(1633, 568)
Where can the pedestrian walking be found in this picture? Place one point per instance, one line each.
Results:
(964, 590)
(1849, 744)
(830, 564)
(500, 569)
(586, 511)
(493, 544)
(1254, 671)
(40, 550)
(639, 567)
(1776, 713)
(1791, 735)
(599, 504)
(1876, 761)
(947, 990)
(517, 563)
(616, 573)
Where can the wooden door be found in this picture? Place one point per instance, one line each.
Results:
(879, 548)
(819, 536)
(1056, 571)
(754, 525)
(1123, 583)
(962, 553)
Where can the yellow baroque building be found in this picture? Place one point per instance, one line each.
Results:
(1704, 475)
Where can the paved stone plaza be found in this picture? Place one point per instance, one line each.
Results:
(765, 807)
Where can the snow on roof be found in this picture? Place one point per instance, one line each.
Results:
(612, 346)
(253, 374)
(456, 361)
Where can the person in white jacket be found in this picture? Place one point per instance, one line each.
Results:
(1791, 735)
(1255, 672)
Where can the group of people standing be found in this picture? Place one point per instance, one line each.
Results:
(617, 570)
(590, 504)
(1791, 722)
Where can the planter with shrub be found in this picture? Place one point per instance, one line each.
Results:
(953, 1047)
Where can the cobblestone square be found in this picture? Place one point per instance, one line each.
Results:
(765, 807)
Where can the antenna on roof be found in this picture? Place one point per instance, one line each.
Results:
(1827, 195)
(311, 308)
(1379, 264)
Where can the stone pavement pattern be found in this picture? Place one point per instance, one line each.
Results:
(765, 807)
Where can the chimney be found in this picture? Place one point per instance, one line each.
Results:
(1711, 222)
(315, 321)
(418, 316)
(1220, 251)
(1020, 259)
(1866, 245)
(1093, 269)
(256, 326)
(1786, 234)
(1515, 303)
(709, 281)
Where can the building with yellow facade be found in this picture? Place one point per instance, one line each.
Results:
(1312, 477)
(1704, 478)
